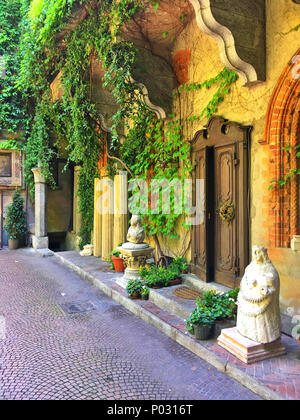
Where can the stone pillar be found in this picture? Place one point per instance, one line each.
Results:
(76, 212)
(97, 219)
(120, 208)
(107, 208)
(40, 239)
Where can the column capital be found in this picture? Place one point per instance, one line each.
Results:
(38, 176)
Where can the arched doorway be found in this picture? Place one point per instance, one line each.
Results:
(282, 134)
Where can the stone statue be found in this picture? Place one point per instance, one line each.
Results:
(258, 315)
(136, 234)
(135, 252)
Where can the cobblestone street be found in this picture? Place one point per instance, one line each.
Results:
(105, 353)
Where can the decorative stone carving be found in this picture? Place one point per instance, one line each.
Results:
(135, 252)
(258, 302)
(87, 250)
(136, 234)
(257, 335)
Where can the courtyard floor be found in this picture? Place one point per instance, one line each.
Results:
(104, 353)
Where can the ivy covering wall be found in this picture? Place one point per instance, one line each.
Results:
(150, 146)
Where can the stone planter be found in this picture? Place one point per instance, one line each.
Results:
(203, 332)
(13, 244)
(118, 264)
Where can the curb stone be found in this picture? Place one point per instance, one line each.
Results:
(177, 336)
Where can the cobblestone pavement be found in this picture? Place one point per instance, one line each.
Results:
(105, 353)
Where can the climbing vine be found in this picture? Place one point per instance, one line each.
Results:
(12, 113)
(148, 148)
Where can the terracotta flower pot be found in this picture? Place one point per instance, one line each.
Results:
(13, 244)
(118, 264)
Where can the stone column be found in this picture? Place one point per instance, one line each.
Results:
(76, 212)
(40, 239)
(120, 208)
(97, 219)
(107, 208)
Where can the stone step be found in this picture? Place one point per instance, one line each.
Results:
(182, 308)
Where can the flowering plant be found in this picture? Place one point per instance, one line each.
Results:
(226, 212)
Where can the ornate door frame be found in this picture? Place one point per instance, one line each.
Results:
(207, 144)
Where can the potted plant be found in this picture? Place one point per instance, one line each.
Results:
(181, 263)
(223, 304)
(134, 288)
(201, 323)
(145, 293)
(15, 221)
(117, 263)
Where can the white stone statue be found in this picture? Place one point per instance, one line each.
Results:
(258, 315)
(87, 251)
(136, 233)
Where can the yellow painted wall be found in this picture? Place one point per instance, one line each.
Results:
(248, 106)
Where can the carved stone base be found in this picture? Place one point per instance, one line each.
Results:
(40, 242)
(128, 275)
(246, 350)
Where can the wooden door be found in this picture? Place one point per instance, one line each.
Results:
(225, 238)
(220, 249)
(202, 240)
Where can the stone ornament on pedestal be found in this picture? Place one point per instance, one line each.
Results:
(87, 251)
(257, 335)
(134, 252)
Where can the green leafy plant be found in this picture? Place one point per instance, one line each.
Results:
(159, 276)
(150, 148)
(181, 263)
(145, 292)
(224, 304)
(201, 317)
(12, 109)
(15, 219)
(135, 287)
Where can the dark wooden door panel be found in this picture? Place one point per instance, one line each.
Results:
(220, 250)
(199, 240)
(225, 233)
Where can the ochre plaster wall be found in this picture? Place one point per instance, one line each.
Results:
(248, 106)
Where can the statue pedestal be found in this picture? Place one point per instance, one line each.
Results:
(246, 350)
(135, 256)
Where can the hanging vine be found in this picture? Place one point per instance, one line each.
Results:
(150, 147)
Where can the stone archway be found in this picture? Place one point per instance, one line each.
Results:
(282, 130)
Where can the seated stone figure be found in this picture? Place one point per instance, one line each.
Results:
(258, 302)
(136, 234)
